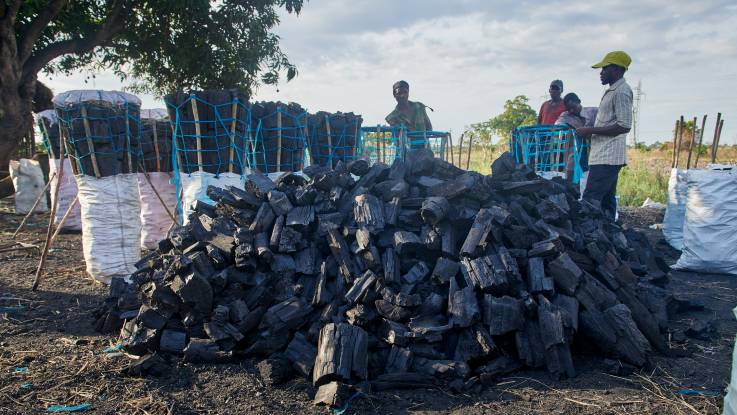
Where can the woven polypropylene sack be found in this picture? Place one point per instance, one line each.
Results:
(111, 224)
(155, 221)
(66, 195)
(675, 210)
(710, 227)
(194, 188)
(28, 180)
(730, 400)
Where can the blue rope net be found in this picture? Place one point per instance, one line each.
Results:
(279, 137)
(50, 135)
(211, 133)
(549, 149)
(102, 138)
(333, 137)
(385, 144)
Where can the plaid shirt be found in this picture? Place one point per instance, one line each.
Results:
(615, 108)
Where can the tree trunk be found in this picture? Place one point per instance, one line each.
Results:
(16, 119)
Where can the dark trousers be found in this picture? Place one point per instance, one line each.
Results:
(601, 187)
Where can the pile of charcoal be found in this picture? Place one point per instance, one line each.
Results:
(333, 137)
(399, 276)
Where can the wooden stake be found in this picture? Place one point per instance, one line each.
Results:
(156, 145)
(54, 204)
(379, 142)
(714, 141)
(680, 140)
(450, 139)
(33, 208)
(278, 140)
(675, 141)
(90, 145)
(64, 219)
(128, 151)
(460, 150)
(470, 146)
(330, 141)
(234, 113)
(198, 131)
(719, 136)
(690, 145)
(701, 139)
(45, 133)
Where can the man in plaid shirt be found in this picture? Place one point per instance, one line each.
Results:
(608, 152)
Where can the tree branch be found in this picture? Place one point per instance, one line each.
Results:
(10, 12)
(114, 23)
(30, 35)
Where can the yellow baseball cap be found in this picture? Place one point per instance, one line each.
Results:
(618, 58)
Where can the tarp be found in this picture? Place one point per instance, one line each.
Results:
(111, 224)
(710, 227)
(84, 95)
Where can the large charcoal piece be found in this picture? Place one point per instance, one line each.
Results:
(100, 129)
(333, 137)
(211, 130)
(156, 143)
(316, 279)
(279, 136)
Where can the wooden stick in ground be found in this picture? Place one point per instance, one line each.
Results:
(233, 113)
(719, 136)
(675, 141)
(64, 219)
(156, 145)
(470, 145)
(701, 139)
(690, 144)
(278, 139)
(714, 140)
(330, 142)
(450, 141)
(90, 145)
(460, 151)
(680, 140)
(33, 207)
(54, 205)
(197, 131)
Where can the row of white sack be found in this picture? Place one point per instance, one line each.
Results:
(701, 218)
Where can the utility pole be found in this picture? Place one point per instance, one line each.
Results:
(636, 111)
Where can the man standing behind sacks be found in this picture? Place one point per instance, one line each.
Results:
(608, 152)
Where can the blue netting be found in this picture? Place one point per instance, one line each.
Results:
(549, 149)
(385, 144)
(210, 137)
(50, 135)
(279, 137)
(333, 137)
(102, 138)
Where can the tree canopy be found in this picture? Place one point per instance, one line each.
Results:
(164, 45)
(517, 113)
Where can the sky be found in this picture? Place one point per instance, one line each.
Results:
(465, 58)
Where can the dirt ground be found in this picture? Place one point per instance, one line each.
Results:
(50, 355)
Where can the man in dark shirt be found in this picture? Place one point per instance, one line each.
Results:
(551, 109)
(411, 115)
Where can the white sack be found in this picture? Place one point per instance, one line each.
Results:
(67, 193)
(675, 210)
(111, 224)
(194, 187)
(710, 227)
(155, 222)
(28, 180)
(730, 401)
